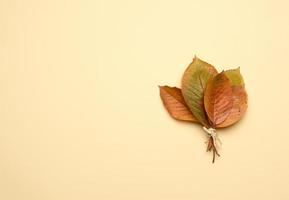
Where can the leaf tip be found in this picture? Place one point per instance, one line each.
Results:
(161, 88)
(195, 57)
(222, 74)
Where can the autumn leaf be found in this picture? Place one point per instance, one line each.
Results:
(215, 100)
(218, 99)
(175, 104)
(240, 98)
(194, 82)
(235, 77)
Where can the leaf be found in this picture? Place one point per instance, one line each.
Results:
(235, 77)
(194, 82)
(240, 98)
(175, 104)
(218, 99)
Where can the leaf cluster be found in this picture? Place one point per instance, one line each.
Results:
(213, 99)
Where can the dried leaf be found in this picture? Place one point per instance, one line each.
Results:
(235, 77)
(240, 98)
(175, 104)
(218, 99)
(212, 99)
(194, 82)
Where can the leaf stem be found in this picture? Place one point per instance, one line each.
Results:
(211, 147)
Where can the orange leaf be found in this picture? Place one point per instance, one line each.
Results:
(240, 98)
(175, 104)
(218, 99)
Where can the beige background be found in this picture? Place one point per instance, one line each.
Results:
(80, 113)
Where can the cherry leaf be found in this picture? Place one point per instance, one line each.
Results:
(218, 99)
(194, 82)
(175, 104)
(240, 98)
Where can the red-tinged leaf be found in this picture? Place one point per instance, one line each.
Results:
(175, 104)
(218, 99)
(240, 98)
(194, 82)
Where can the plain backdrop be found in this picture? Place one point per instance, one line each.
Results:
(80, 113)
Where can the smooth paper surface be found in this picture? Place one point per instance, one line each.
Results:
(80, 111)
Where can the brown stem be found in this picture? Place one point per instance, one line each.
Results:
(211, 147)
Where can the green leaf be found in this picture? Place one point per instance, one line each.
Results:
(194, 82)
(235, 77)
